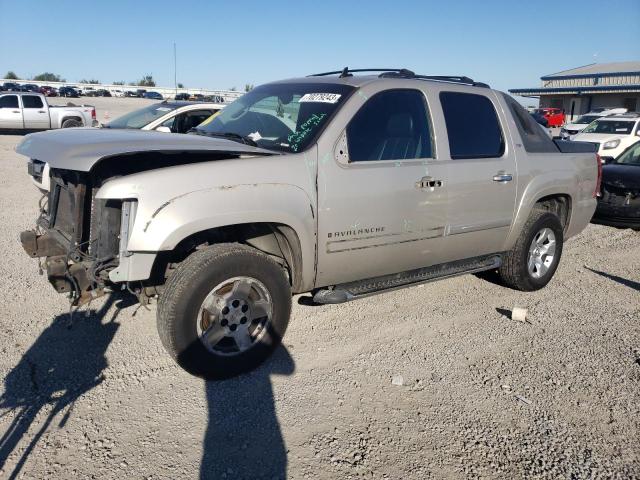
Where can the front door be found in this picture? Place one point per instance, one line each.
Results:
(36, 115)
(381, 201)
(10, 113)
(482, 174)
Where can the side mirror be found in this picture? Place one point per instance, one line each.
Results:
(606, 160)
(163, 129)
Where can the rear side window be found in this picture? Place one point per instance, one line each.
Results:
(392, 125)
(472, 126)
(9, 101)
(534, 138)
(31, 101)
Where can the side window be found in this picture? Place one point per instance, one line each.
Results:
(534, 138)
(169, 123)
(9, 101)
(392, 125)
(188, 120)
(472, 126)
(31, 101)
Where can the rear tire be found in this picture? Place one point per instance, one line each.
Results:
(71, 123)
(224, 310)
(533, 260)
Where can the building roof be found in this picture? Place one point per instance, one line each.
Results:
(536, 91)
(597, 69)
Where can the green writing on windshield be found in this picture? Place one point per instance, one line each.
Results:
(296, 138)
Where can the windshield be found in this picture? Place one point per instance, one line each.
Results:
(287, 117)
(142, 117)
(586, 119)
(619, 127)
(630, 156)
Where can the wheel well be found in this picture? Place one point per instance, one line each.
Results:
(276, 240)
(559, 204)
(71, 118)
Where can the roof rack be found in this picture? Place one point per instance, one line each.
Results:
(348, 72)
(403, 73)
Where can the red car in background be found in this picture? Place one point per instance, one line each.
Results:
(48, 91)
(554, 116)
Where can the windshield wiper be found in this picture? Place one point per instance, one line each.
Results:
(230, 135)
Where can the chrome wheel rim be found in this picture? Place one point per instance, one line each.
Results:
(234, 316)
(542, 253)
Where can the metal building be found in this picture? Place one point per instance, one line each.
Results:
(582, 89)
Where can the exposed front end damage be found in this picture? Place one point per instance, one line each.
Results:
(78, 236)
(116, 217)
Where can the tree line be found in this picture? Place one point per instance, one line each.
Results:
(145, 81)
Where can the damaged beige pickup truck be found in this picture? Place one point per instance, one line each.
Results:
(342, 184)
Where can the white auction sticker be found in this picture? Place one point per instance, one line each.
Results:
(320, 97)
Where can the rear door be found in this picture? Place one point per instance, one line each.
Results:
(10, 112)
(36, 114)
(481, 173)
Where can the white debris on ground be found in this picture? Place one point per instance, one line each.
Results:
(519, 314)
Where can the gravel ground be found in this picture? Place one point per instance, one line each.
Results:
(480, 395)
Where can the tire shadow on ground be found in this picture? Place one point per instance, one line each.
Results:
(243, 438)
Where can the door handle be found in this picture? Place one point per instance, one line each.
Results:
(41, 111)
(15, 111)
(502, 177)
(428, 182)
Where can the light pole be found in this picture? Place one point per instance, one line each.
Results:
(175, 73)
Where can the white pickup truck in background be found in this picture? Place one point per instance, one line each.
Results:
(30, 111)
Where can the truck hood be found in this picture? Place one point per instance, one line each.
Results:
(81, 148)
(576, 126)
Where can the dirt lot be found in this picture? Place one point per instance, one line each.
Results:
(481, 394)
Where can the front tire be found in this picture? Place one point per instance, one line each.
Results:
(533, 260)
(224, 310)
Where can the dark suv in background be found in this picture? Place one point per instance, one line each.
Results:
(68, 92)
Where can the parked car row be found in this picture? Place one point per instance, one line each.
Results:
(14, 87)
(74, 91)
(199, 97)
(584, 120)
(611, 134)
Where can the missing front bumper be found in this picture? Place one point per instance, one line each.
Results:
(64, 276)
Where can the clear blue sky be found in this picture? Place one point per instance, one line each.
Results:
(508, 44)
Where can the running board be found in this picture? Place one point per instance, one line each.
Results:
(363, 288)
